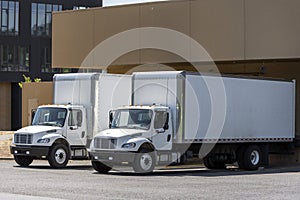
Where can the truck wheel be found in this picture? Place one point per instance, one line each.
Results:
(210, 163)
(23, 161)
(252, 157)
(183, 159)
(58, 156)
(100, 167)
(144, 161)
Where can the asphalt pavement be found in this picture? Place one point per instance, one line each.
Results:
(80, 181)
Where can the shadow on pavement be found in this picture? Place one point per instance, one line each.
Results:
(70, 167)
(196, 170)
(203, 172)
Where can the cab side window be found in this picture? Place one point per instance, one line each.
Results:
(75, 118)
(161, 120)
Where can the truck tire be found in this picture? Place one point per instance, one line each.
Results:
(144, 161)
(210, 163)
(251, 158)
(100, 167)
(183, 159)
(180, 161)
(23, 161)
(58, 156)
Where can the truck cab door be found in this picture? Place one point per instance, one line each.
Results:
(76, 129)
(162, 138)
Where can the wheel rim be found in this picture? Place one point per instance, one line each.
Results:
(254, 157)
(60, 156)
(146, 162)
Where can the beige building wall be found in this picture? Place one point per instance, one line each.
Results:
(5, 106)
(73, 37)
(229, 30)
(34, 95)
(272, 29)
(174, 16)
(218, 25)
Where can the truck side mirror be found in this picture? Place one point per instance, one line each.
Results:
(160, 130)
(73, 127)
(79, 119)
(166, 125)
(33, 111)
(111, 117)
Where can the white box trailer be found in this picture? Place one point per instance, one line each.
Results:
(255, 108)
(62, 131)
(222, 119)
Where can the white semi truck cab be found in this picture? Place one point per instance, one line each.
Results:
(58, 132)
(134, 130)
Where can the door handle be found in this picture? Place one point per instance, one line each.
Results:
(169, 138)
(82, 134)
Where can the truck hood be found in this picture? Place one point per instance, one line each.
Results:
(38, 129)
(117, 133)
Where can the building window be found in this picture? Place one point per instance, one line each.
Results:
(41, 18)
(9, 17)
(14, 58)
(46, 59)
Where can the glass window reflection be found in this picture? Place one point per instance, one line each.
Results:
(41, 18)
(9, 18)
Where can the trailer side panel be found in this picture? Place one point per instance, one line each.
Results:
(256, 110)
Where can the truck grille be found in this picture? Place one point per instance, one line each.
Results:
(103, 143)
(23, 138)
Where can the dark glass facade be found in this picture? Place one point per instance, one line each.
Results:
(25, 42)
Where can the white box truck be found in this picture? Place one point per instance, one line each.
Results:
(171, 118)
(62, 131)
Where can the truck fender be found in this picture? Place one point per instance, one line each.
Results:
(54, 138)
(139, 143)
(59, 139)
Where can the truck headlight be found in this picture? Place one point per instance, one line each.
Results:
(46, 140)
(129, 145)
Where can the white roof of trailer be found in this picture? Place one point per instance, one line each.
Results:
(146, 107)
(74, 76)
(67, 106)
(85, 76)
(157, 74)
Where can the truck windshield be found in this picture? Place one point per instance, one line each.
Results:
(132, 119)
(50, 117)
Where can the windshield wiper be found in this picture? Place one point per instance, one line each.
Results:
(47, 124)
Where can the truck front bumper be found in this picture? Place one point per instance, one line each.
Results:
(34, 151)
(112, 157)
